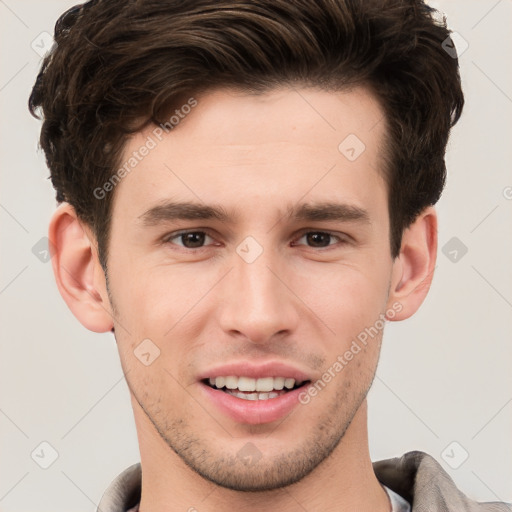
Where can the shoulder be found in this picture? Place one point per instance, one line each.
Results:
(123, 493)
(422, 481)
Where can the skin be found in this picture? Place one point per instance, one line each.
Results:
(299, 302)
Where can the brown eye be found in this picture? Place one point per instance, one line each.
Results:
(319, 239)
(188, 239)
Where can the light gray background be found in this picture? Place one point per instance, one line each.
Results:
(444, 374)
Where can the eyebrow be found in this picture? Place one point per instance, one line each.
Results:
(318, 211)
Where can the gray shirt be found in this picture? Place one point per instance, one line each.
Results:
(415, 482)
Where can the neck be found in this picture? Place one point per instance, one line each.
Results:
(343, 481)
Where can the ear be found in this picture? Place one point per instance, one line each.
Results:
(78, 273)
(413, 269)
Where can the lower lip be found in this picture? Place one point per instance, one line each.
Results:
(253, 412)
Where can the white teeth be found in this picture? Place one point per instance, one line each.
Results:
(250, 385)
(231, 382)
(278, 383)
(289, 383)
(246, 384)
(254, 396)
(265, 384)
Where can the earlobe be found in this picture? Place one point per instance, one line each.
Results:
(77, 271)
(413, 269)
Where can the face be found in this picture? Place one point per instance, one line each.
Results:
(268, 277)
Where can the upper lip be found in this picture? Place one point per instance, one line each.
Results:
(254, 370)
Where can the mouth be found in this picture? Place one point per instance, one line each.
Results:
(256, 389)
(253, 400)
(253, 392)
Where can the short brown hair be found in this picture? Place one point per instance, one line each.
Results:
(118, 62)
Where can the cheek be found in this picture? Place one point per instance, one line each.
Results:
(346, 298)
(161, 304)
(145, 296)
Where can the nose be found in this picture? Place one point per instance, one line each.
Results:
(259, 304)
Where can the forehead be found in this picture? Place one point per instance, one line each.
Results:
(231, 116)
(233, 147)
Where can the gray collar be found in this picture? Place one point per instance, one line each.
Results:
(416, 476)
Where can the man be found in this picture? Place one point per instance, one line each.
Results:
(247, 191)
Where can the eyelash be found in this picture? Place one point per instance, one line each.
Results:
(168, 238)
